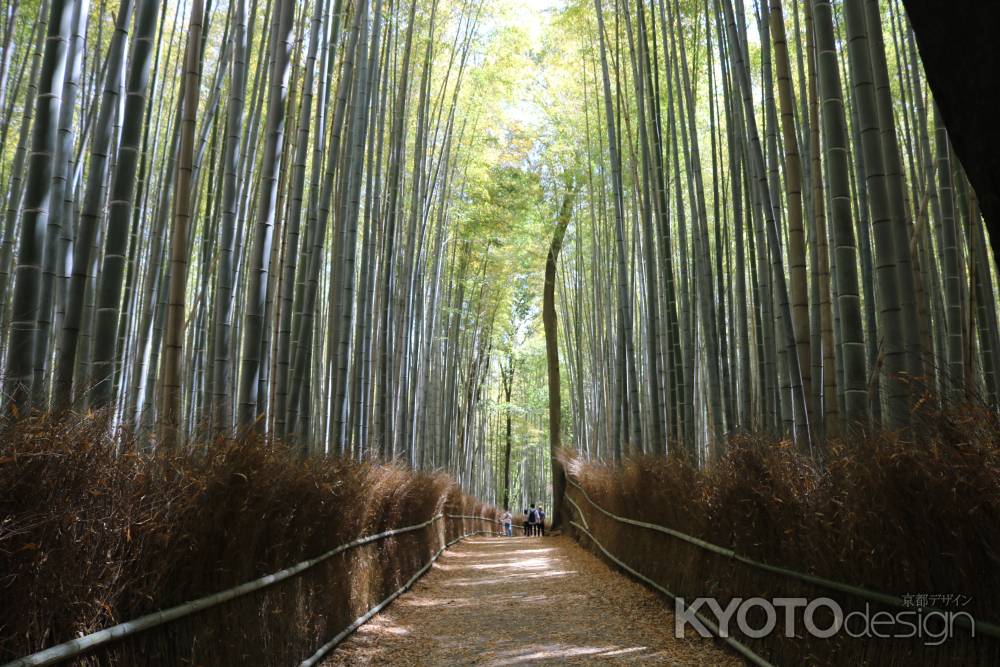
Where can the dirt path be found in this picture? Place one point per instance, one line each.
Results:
(525, 601)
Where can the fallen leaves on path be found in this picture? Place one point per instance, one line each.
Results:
(525, 601)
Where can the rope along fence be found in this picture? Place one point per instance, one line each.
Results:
(972, 628)
(93, 642)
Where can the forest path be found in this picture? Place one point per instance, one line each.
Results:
(525, 601)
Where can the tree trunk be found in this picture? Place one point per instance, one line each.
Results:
(552, 352)
(120, 206)
(27, 276)
(180, 241)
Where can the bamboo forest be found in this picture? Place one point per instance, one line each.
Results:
(534, 332)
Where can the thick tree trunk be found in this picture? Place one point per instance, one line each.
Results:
(251, 405)
(845, 253)
(552, 353)
(173, 346)
(508, 386)
(36, 206)
(120, 206)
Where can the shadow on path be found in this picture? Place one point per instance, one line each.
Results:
(525, 601)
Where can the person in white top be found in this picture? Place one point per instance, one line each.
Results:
(506, 520)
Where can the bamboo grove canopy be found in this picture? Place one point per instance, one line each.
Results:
(329, 221)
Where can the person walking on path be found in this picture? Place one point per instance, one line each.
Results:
(541, 521)
(525, 525)
(533, 520)
(505, 520)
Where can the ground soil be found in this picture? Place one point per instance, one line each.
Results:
(526, 601)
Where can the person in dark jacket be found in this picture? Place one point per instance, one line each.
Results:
(533, 520)
(540, 527)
